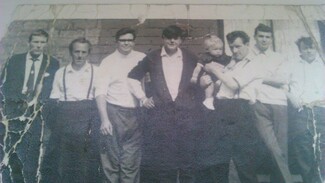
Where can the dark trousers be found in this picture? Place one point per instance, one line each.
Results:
(167, 176)
(272, 125)
(237, 140)
(307, 143)
(24, 149)
(72, 154)
(121, 153)
(213, 174)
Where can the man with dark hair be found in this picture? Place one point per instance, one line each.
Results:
(172, 111)
(236, 136)
(73, 155)
(121, 133)
(307, 113)
(271, 106)
(27, 82)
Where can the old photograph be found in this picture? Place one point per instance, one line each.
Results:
(146, 93)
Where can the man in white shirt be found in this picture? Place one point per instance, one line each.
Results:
(73, 155)
(169, 133)
(236, 135)
(27, 82)
(120, 130)
(307, 113)
(271, 106)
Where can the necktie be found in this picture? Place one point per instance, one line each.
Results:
(31, 78)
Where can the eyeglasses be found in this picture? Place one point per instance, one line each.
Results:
(126, 40)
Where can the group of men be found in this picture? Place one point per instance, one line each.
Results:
(140, 118)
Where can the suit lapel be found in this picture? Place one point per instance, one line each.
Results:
(161, 76)
(184, 76)
(44, 65)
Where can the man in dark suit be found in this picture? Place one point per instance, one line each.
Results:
(27, 82)
(169, 133)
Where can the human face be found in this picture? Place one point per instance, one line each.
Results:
(125, 43)
(239, 49)
(37, 45)
(263, 40)
(307, 53)
(215, 49)
(80, 53)
(171, 44)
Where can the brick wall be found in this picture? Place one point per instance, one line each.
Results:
(101, 33)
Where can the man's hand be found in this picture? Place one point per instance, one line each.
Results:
(193, 80)
(210, 67)
(106, 128)
(294, 101)
(148, 103)
(205, 81)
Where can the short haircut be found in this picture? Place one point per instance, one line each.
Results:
(211, 39)
(80, 40)
(308, 41)
(172, 31)
(232, 36)
(123, 31)
(38, 32)
(263, 28)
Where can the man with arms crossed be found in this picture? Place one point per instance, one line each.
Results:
(121, 133)
(271, 106)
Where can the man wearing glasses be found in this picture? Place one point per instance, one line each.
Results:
(120, 131)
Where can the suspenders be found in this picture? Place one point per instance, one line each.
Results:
(90, 84)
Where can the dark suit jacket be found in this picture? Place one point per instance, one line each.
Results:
(170, 128)
(13, 80)
(188, 94)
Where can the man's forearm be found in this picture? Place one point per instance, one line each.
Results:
(275, 81)
(136, 88)
(102, 108)
(225, 79)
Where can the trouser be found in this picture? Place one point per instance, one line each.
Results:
(272, 125)
(213, 174)
(24, 159)
(121, 152)
(307, 143)
(72, 155)
(238, 140)
(167, 176)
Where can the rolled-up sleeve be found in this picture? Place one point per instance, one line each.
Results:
(253, 71)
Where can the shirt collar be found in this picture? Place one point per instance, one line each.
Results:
(120, 55)
(39, 58)
(177, 54)
(85, 68)
(257, 51)
(316, 61)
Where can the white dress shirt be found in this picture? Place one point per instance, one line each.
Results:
(28, 66)
(77, 83)
(172, 68)
(308, 80)
(274, 66)
(248, 73)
